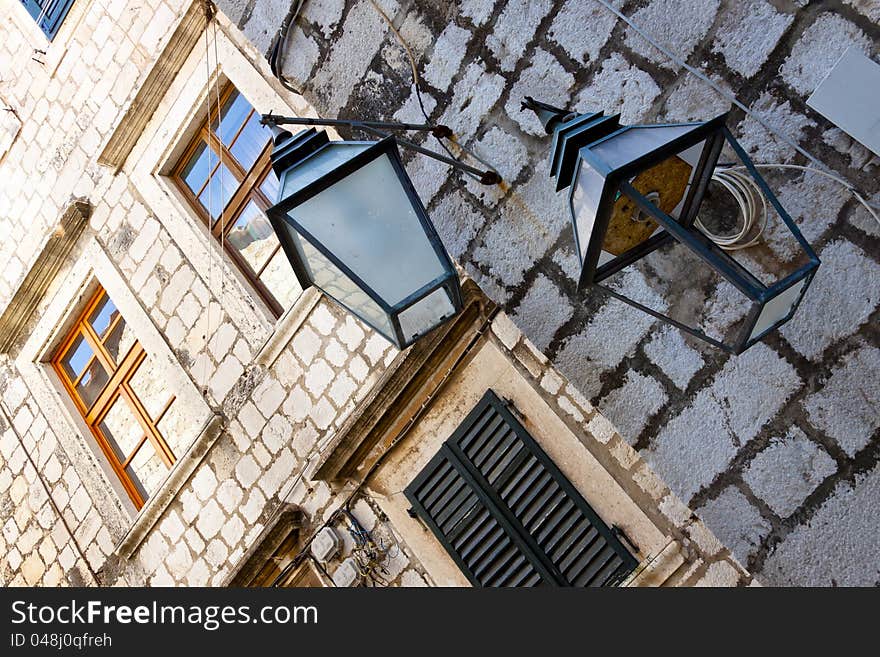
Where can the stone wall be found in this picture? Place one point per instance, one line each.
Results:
(772, 447)
(271, 394)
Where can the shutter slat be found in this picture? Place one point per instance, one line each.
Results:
(506, 513)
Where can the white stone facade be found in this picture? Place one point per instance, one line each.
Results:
(267, 396)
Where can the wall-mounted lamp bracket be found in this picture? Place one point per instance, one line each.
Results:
(381, 128)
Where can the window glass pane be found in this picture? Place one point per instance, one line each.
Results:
(196, 171)
(252, 236)
(119, 341)
(176, 429)
(121, 429)
(92, 382)
(270, 187)
(251, 142)
(218, 192)
(78, 355)
(279, 279)
(150, 387)
(233, 114)
(146, 470)
(102, 316)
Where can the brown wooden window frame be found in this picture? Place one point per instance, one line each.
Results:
(117, 385)
(249, 189)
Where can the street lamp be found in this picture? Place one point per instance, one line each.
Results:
(351, 223)
(638, 189)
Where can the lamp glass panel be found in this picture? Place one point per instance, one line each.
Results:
(318, 165)
(778, 308)
(338, 285)
(673, 281)
(425, 314)
(665, 185)
(370, 223)
(585, 195)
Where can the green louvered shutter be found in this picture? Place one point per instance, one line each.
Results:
(507, 515)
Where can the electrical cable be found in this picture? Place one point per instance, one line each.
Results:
(417, 86)
(279, 46)
(733, 99)
(208, 249)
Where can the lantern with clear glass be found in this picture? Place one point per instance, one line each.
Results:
(351, 223)
(644, 195)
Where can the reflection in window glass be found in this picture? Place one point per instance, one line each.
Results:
(92, 383)
(121, 429)
(251, 142)
(252, 236)
(102, 316)
(120, 340)
(196, 171)
(270, 186)
(149, 385)
(77, 358)
(219, 190)
(235, 110)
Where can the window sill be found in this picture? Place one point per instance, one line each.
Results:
(154, 508)
(287, 326)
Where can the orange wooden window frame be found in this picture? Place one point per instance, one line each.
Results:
(117, 385)
(249, 182)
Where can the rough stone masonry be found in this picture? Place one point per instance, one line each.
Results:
(778, 448)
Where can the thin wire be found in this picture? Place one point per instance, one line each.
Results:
(417, 85)
(6, 414)
(208, 249)
(733, 99)
(222, 203)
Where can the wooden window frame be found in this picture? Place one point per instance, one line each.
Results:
(117, 385)
(248, 182)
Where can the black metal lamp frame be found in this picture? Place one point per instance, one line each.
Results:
(572, 132)
(279, 215)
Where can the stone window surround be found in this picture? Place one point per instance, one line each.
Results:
(57, 47)
(177, 118)
(492, 367)
(92, 267)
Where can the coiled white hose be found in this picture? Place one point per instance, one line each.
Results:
(753, 206)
